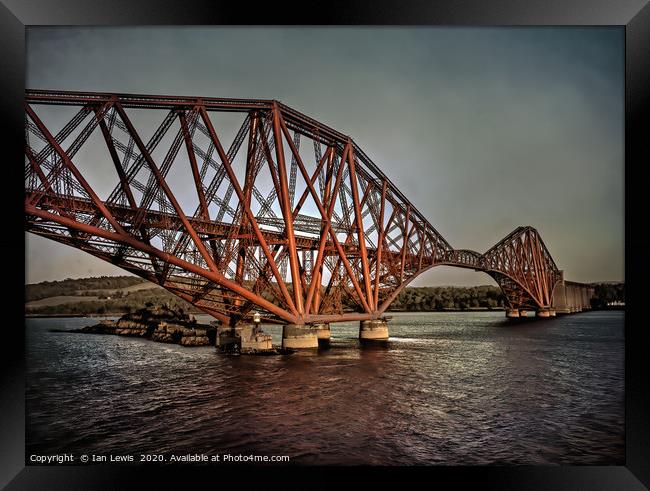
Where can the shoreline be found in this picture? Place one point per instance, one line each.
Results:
(445, 311)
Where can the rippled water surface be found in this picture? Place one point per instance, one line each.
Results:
(447, 388)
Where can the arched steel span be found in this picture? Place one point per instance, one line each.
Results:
(290, 217)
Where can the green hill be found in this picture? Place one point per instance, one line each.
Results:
(80, 286)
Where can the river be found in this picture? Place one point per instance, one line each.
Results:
(447, 388)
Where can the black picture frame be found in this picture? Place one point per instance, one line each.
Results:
(634, 15)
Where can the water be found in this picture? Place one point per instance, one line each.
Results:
(448, 388)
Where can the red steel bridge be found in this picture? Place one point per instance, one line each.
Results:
(241, 206)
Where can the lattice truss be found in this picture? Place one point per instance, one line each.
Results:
(524, 269)
(237, 206)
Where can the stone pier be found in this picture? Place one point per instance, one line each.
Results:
(323, 334)
(248, 337)
(299, 336)
(512, 314)
(571, 297)
(228, 337)
(253, 339)
(374, 330)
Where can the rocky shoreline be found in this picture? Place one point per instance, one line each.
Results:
(160, 324)
(165, 325)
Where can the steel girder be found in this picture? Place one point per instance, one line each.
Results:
(291, 219)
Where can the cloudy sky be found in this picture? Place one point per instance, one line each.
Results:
(483, 129)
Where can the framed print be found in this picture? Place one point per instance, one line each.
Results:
(379, 240)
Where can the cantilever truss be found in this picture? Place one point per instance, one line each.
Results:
(283, 215)
(524, 269)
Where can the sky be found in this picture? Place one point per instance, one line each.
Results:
(483, 129)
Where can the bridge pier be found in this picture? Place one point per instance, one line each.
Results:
(228, 337)
(570, 297)
(248, 337)
(373, 330)
(512, 314)
(544, 313)
(253, 339)
(560, 301)
(323, 334)
(523, 313)
(299, 336)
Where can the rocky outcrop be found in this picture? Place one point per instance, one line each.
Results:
(104, 327)
(160, 324)
(128, 327)
(187, 336)
(165, 325)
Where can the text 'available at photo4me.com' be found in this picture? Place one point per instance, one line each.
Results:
(191, 458)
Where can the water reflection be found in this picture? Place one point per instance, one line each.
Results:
(445, 388)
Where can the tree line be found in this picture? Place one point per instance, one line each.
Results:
(432, 298)
(412, 299)
(607, 293)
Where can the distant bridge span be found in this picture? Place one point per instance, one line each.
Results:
(278, 214)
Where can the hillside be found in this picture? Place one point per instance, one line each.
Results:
(125, 294)
(94, 286)
(97, 295)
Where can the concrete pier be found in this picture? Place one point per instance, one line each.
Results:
(512, 314)
(296, 336)
(323, 334)
(523, 313)
(374, 330)
(543, 313)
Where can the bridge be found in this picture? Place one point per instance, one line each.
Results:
(251, 211)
